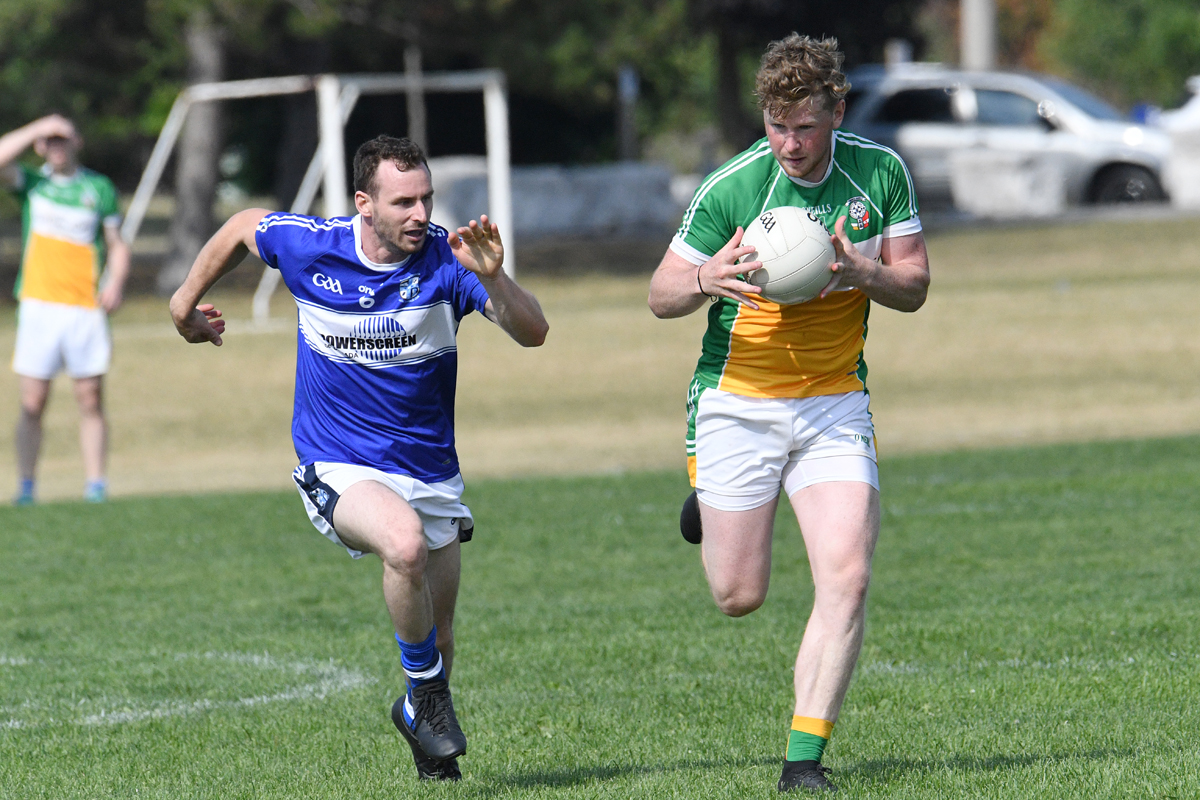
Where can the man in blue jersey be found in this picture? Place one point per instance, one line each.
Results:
(380, 296)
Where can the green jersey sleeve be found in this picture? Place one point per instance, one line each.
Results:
(709, 221)
(725, 200)
(900, 212)
(108, 208)
(27, 178)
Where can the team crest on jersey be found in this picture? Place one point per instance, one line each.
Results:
(860, 213)
(410, 288)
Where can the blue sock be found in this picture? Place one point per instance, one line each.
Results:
(26, 487)
(422, 663)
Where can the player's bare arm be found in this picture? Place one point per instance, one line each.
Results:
(116, 270)
(16, 142)
(224, 251)
(679, 287)
(899, 280)
(477, 247)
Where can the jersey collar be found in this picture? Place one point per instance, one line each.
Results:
(828, 168)
(356, 226)
(61, 180)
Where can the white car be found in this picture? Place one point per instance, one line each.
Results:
(926, 112)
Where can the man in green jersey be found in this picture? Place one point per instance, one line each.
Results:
(779, 399)
(70, 235)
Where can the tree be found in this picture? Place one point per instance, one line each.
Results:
(743, 28)
(1130, 50)
(197, 154)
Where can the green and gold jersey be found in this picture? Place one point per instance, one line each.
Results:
(63, 228)
(813, 348)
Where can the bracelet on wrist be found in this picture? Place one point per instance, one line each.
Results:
(701, 285)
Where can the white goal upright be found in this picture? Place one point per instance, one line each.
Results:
(336, 98)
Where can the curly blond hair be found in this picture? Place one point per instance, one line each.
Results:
(797, 68)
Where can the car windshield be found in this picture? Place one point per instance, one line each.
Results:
(1087, 102)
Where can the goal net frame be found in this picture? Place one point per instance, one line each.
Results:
(337, 96)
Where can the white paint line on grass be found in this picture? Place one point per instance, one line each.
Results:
(14, 661)
(331, 679)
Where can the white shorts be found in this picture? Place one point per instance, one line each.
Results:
(439, 505)
(747, 448)
(54, 336)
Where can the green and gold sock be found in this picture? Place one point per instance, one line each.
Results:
(808, 738)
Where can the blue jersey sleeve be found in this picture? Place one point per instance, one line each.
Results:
(470, 295)
(287, 242)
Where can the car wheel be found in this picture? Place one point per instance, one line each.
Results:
(1126, 184)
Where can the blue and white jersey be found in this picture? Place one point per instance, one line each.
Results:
(376, 362)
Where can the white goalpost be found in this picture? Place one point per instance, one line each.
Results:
(336, 98)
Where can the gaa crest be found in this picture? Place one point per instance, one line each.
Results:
(410, 288)
(860, 214)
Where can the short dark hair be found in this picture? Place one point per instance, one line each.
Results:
(404, 153)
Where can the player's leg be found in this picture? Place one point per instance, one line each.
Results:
(34, 394)
(372, 517)
(443, 571)
(93, 434)
(87, 352)
(840, 525)
(740, 447)
(37, 358)
(736, 553)
(833, 483)
(443, 576)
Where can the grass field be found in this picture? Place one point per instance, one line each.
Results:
(1031, 334)
(1034, 633)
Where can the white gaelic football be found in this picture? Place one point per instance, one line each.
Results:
(796, 254)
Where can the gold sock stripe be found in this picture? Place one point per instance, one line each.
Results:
(817, 727)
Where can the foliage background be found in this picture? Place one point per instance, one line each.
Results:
(116, 67)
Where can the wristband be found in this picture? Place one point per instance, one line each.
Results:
(701, 286)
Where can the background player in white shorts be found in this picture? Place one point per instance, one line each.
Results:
(779, 397)
(71, 233)
(380, 296)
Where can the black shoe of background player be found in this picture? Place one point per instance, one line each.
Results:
(427, 768)
(689, 520)
(435, 728)
(805, 775)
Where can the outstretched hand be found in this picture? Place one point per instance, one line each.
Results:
(203, 324)
(478, 247)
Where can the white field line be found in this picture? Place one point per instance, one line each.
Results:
(332, 680)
